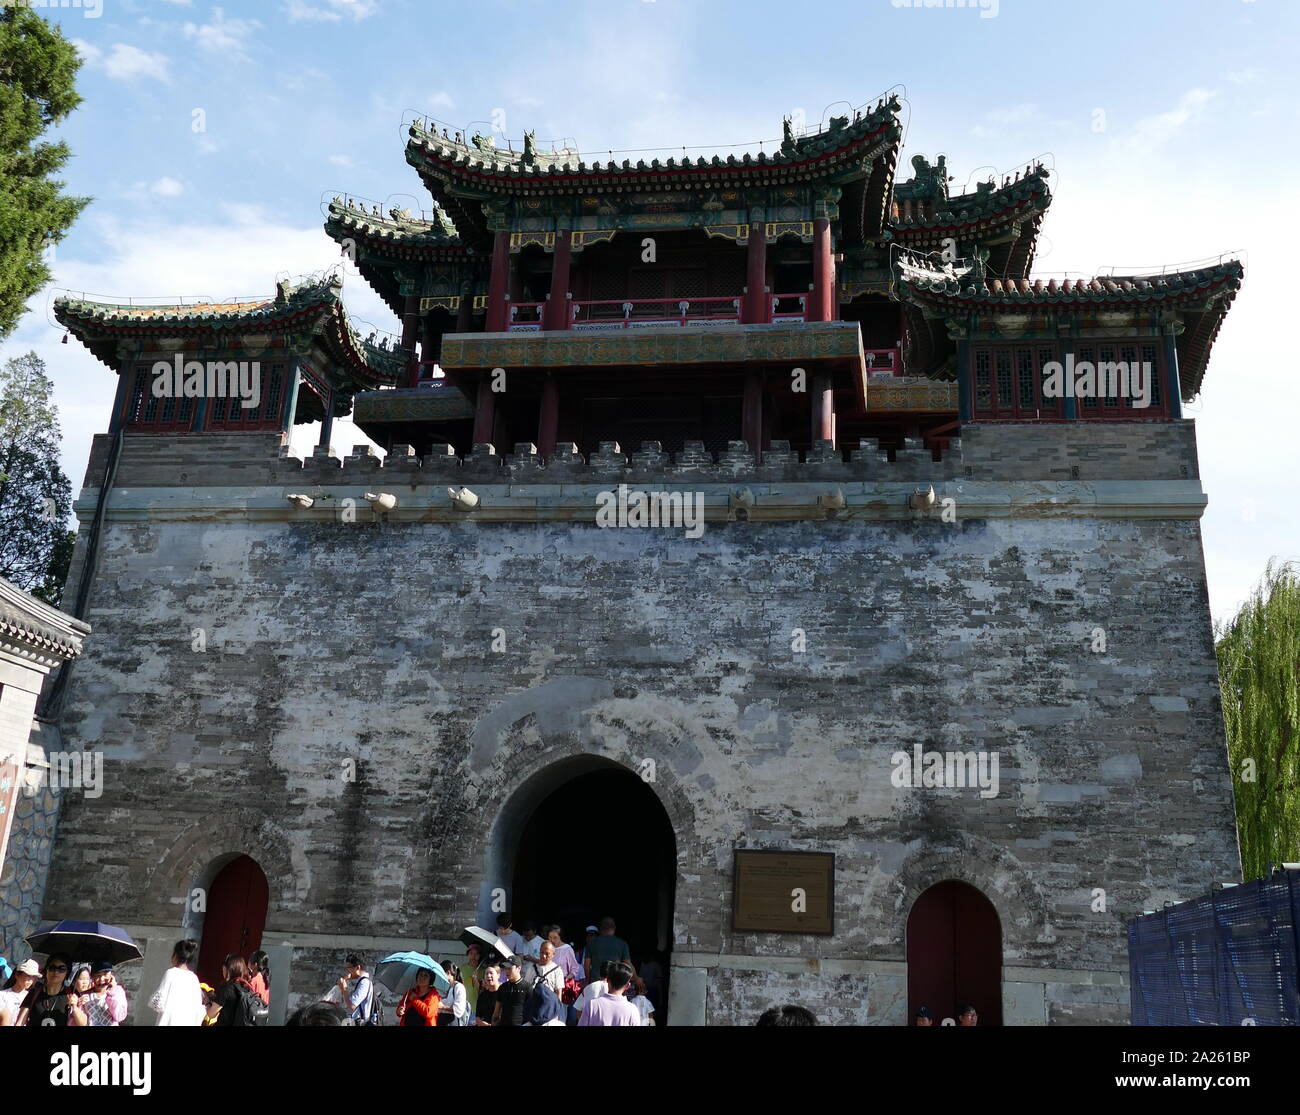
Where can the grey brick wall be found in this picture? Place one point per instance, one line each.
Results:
(371, 640)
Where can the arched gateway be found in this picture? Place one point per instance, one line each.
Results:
(583, 839)
(236, 902)
(954, 953)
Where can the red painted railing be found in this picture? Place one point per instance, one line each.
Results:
(525, 316)
(622, 313)
(884, 361)
(789, 307)
(631, 313)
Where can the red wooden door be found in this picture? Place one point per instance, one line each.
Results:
(954, 954)
(236, 916)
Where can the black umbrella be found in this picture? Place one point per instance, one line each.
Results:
(489, 943)
(91, 941)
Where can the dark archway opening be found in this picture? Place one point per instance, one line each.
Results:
(954, 953)
(601, 845)
(236, 916)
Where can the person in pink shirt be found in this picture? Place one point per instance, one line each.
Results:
(106, 1004)
(564, 954)
(611, 1008)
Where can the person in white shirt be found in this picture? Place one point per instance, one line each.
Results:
(545, 970)
(179, 1000)
(11, 1001)
(455, 1004)
(594, 990)
(638, 999)
(530, 944)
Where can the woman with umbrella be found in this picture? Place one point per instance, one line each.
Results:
(423, 981)
(419, 1006)
(49, 1003)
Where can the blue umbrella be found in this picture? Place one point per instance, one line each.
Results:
(90, 941)
(397, 972)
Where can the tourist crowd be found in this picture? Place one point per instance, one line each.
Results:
(528, 979)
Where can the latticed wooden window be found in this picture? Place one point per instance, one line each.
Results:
(146, 413)
(728, 275)
(1009, 381)
(1003, 361)
(1106, 355)
(1151, 355)
(1025, 378)
(690, 284)
(1051, 407)
(644, 284)
(1086, 354)
(983, 381)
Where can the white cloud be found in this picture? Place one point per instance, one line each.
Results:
(342, 160)
(222, 35)
(335, 10)
(88, 52)
(1251, 75)
(441, 99)
(124, 62)
(167, 187)
(1153, 131)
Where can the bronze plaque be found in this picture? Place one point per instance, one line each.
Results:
(784, 892)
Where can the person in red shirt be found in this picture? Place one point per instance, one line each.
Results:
(419, 1006)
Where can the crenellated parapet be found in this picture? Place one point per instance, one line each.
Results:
(611, 463)
(1044, 453)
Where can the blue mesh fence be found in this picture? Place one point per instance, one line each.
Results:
(1220, 960)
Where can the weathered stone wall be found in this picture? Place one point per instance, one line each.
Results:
(27, 858)
(326, 640)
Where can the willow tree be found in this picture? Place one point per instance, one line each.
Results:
(1259, 675)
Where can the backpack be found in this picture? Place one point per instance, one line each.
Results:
(372, 1013)
(464, 1019)
(248, 1010)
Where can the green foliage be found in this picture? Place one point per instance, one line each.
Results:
(38, 68)
(1259, 675)
(35, 496)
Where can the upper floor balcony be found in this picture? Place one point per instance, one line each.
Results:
(612, 314)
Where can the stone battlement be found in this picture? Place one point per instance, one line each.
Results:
(1091, 451)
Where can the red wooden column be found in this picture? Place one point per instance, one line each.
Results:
(756, 302)
(410, 334)
(823, 407)
(548, 422)
(556, 313)
(498, 283)
(752, 413)
(465, 310)
(485, 410)
(823, 292)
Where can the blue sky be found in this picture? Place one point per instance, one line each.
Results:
(1171, 125)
